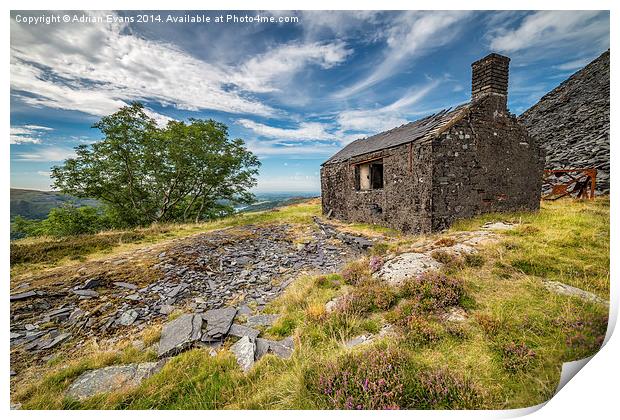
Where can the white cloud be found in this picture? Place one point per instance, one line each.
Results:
(28, 133)
(307, 150)
(372, 121)
(99, 68)
(265, 72)
(412, 34)
(573, 65)
(46, 154)
(305, 131)
(553, 29)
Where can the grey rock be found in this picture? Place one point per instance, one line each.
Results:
(23, 295)
(237, 330)
(86, 293)
(125, 285)
(262, 320)
(283, 348)
(179, 334)
(218, 322)
(412, 264)
(166, 309)
(360, 339)
(128, 317)
(48, 344)
(91, 283)
(244, 310)
(565, 289)
(244, 352)
(111, 378)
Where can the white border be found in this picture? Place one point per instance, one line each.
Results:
(592, 393)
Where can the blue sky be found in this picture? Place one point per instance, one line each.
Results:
(296, 92)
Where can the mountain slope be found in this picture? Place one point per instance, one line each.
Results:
(572, 121)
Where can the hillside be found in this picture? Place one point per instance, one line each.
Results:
(283, 309)
(572, 121)
(34, 204)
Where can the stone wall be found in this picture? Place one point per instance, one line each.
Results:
(486, 162)
(404, 202)
(572, 122)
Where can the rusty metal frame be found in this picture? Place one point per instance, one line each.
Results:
(580, 185)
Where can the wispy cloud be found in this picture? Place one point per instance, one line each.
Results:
(45, 154)
(264, 73)
(412, 34)
(305, 131)
(99, 68)
(28, 133)
(552, 30)
(371, 121)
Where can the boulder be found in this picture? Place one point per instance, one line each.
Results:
(111, 378)
(565, 289)
(179, 334)
(244, 352)
(412, 264)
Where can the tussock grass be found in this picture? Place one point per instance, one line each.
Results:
(507, 353)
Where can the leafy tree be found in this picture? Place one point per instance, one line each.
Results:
(66, 220)
(146, 174)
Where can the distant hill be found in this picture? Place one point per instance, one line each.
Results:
(34, 204)
(572, 121)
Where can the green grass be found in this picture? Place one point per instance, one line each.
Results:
(508, 353)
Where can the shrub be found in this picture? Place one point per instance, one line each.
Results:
(489, 324)
(331, 281)
(421, 331)
(433, 291)
(441, 389)
(316, 313)
(473, 260)
(368, 381)
(367, 297)
(67, 220)
(386, 379)
(445, 242)
(379, 249)
(355, 272)
(517, 357)
(375, 263)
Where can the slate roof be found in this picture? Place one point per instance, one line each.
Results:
(414, 131)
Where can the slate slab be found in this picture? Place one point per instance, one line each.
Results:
(125, 285)
(128, 317)
(111, 378)
(179, 334)
(283, 348)
(23, 295)
(86, 293)
(218, 322)
(240, 331)
(244, 352)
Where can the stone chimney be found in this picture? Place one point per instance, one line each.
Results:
(489, 76)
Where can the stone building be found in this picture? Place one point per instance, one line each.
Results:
(460, 162)
(572, 122)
